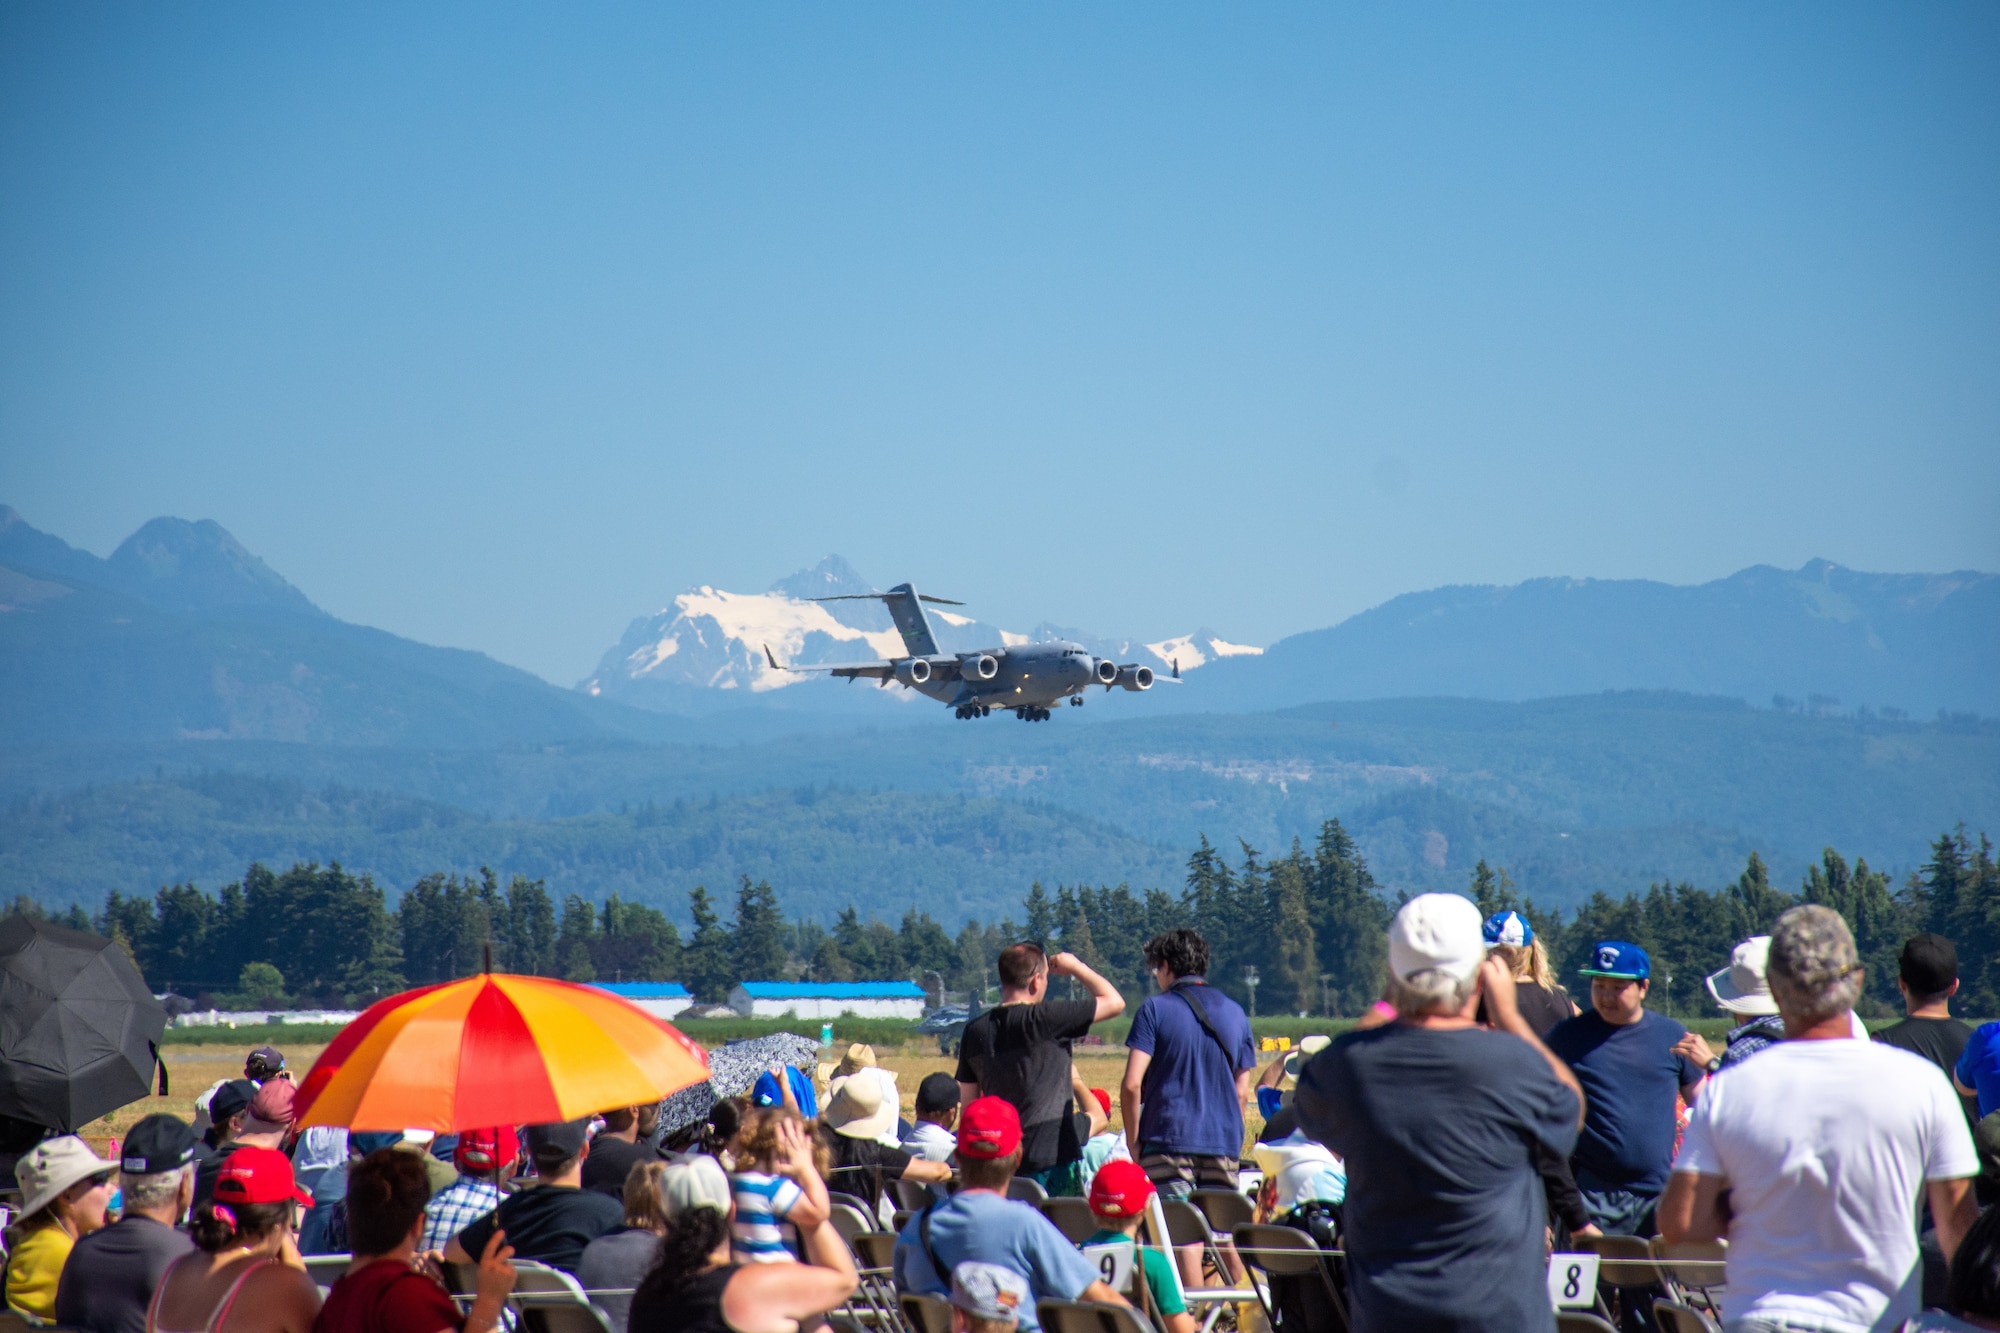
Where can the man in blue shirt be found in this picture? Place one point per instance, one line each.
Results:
(981, 1224)
(1977, 1072)
(1623, 1054)
(1187, 1077)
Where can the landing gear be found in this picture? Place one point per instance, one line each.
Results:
(1032, 714)
(1076, 701)
(964, 711)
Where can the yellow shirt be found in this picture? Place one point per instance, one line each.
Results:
(34, 1269)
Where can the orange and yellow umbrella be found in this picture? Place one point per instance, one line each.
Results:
(495, 1049)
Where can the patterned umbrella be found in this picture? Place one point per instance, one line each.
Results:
(495, 1049)
(733, 1070)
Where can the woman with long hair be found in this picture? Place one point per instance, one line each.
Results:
(1543, 1003)
(695, 1287)
(245, 1275)
(618, 1260)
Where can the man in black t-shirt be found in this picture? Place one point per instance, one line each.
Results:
(552, 1222)
(619, 1147)
(1019, 1052)
(1927, 974)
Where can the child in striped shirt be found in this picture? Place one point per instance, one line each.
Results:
(777, 1187)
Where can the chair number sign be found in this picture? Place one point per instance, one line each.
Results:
(1572, 1281)
(1113, 1263)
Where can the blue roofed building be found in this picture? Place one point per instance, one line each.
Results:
(661, 999)
(828, 999)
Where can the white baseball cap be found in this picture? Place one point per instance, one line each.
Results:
(1437, 931)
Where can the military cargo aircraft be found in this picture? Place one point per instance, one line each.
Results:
(1029, 678)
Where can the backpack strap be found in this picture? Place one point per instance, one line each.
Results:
(924, 1239)
(1187, 993)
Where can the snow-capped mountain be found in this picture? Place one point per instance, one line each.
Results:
(707, 646)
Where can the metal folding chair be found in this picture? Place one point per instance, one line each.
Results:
(1025, 1190)
(850, 1221)
(1286, 1254)
(926, 1313)
(1225, 1210)
(1678, 1317)
(1072, 1217)
(1627, 1274)
(1576, 1321)
(1088, 1317)
(326, 1269)
(913, 1195)
(1696, 1271)
(874, 1302)
(546, 1313)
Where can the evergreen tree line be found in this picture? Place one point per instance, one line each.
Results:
(1310, 924)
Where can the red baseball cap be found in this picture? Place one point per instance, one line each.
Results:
(988, 1129)
(258, 1175)
(1103, 1099)
(486, 1149)
(1120, 1189)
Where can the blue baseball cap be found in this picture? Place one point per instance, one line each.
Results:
(1619, 961)
(1509, 928)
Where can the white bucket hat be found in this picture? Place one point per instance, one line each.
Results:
(52, 1166)
(857, 1108)
(1744, 986)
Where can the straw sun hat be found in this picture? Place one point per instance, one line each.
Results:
(859, 1110)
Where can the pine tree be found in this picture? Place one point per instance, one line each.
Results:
(756, 940)
(1291, 981)
(706, 966)
(573, 944)
(1349, 921)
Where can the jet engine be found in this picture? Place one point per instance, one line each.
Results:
(916, 671)
(1106, 671)
(978, 666)
(1136, 678)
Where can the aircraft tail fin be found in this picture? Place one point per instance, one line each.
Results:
(907, 610)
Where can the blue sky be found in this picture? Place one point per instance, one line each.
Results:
(497, 325)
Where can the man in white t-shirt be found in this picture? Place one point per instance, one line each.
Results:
(1810, 1158)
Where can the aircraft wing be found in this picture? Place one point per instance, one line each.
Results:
(882, 671)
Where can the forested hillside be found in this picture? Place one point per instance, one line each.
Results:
(1310, 923)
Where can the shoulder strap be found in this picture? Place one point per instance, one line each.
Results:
(160, 1290)
(1201, 1016)
(221, 1315)
(924, 1239)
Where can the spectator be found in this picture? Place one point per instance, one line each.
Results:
(693, 1287)
(1438, 1120)
(1107, 1145)
(1282, 1074)
(1018, 1050)
(1190, 1058)
(484, 1157)
(65, 1188)
(383, 1291)
(937, 1111)
(1510, 938)
(1811, 1159)
(265, 1123)
(981, 1223)
(1975, 1283)
(618, 1259)
(615, 1150)
(552, 1222)
(112, 1274)
(245, 1276)
(264, 1064)
(1118, 1195)
(1627, 1059)
(219, 1114)
(858, 1116)
(1743, 990)
(1304, 1184)
(986, 1298)
(1927, 975)
(778, 1192)
(320, 1149)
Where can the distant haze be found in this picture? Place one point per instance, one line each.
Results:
(499, 325)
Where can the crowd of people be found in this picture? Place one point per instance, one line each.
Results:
(1475, 1121)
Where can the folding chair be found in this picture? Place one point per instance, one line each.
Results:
(326, 1269)
(1072, 1217)
(1080, 1317)
(1025, 1190)
(1309, 1294)
(927, 1313)
(546, 1313)
(1695, 1270)
(1628, 1277)
(850, 1221)
(1186, 1225)
(913, 1195)
(1676, 1317)
(874, 1301)
(1576, 1321)
(1225, 1210)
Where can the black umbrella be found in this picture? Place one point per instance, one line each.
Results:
(79, 1031)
